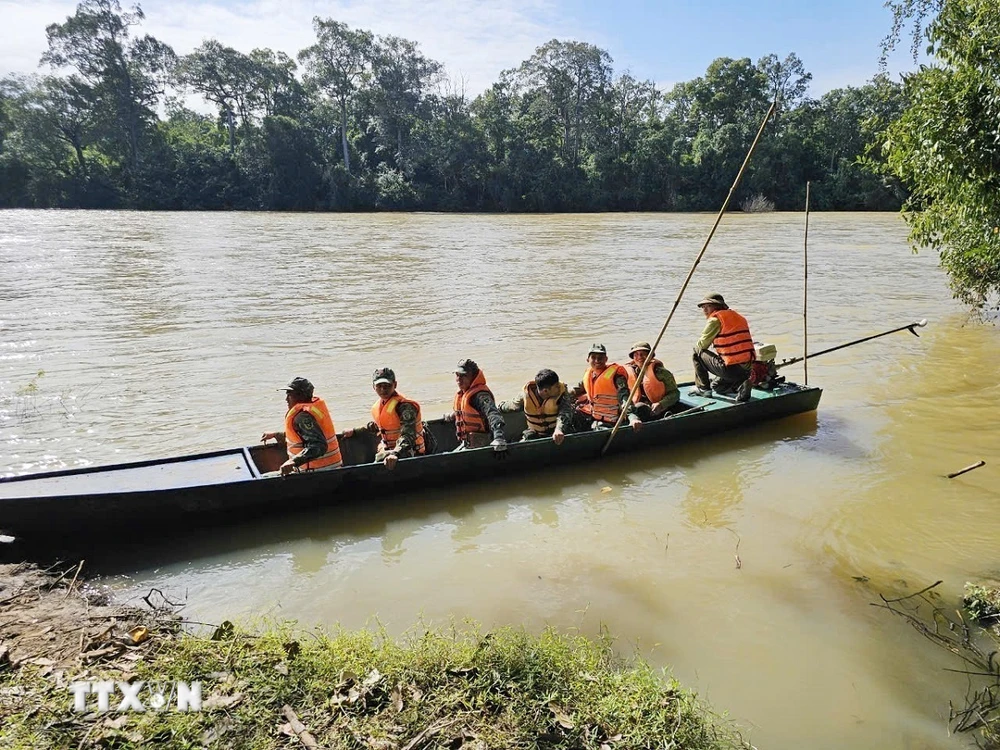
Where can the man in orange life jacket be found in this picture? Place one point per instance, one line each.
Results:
(309, 434)
(475, 413)
(729, 333)
(396, 419)
(603, 392)
(658, 392)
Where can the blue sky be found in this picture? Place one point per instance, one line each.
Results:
(667, 42)
(675, 40)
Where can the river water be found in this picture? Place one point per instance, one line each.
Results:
(164, 333)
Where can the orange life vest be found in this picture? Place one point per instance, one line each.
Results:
(602, 394)
(652, 389)
(386, 416)
(734, 342)
(541, 415)
(293, 441)
(467, 417)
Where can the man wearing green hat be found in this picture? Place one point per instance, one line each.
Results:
(396, 419)
(475, 414)
(729, 333)
(658, 391)
(603, 392)
(309, 435)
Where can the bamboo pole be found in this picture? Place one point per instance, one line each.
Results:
(910, 327)
(805, 294)
(960, 472)
(680, 294)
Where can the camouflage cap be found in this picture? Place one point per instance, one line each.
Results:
(466, 367)
(300, 386)
(383, 375)
(598, 349)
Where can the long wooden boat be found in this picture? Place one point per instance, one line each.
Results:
(190, 491)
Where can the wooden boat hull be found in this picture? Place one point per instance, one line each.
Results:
(149, 496)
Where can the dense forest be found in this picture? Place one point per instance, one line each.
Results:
(358, 121)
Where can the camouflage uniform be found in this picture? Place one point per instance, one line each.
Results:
(483, 403)
(565, 420)
(672, 396)
(585, 421)
(313, 439)
(407, 442)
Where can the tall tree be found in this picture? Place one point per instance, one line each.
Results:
(946, 148)
(787, 79)
(402, 76)
(278, 92)
(227, 78)
(573, 77)
(127, 74)
(338, 64)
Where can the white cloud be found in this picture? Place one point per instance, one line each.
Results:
(474, 40)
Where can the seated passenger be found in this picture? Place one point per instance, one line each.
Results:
(478, 421)
(603, 392)
(548, 407)
(658, 391)
(396, 419)
(309, 435)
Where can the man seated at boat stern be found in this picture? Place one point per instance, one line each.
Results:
(548, 407)
(729, 333)
(602, 393)
(309, 435)
(396, 419)
(658, 392)
(478, 421)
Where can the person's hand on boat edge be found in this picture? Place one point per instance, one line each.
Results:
(558, 436)
(635, 422)
(499, 448)
(390, 461)
(268, 436)
(288, 467)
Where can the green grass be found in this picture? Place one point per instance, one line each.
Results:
(363, 689)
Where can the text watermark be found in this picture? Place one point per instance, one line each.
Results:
(137, 696)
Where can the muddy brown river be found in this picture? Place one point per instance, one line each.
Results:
(167, 333)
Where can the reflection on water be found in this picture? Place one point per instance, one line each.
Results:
(168, 333)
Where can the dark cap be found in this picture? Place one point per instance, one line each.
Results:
(640, 346)
(466, 367)
(598, 349)
(383, 375)
(714, 299)
(300, 386)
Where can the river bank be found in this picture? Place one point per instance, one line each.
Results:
(273, 685)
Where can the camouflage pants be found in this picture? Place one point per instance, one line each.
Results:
(729, 376)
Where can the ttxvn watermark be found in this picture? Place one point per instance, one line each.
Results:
(136, 696)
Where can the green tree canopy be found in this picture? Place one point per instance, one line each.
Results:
(946, 148)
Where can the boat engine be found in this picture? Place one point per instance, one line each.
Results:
(763, 373)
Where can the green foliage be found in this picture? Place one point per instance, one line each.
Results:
(503, 689)
(374, 124)
(983, 603)
(946, 148)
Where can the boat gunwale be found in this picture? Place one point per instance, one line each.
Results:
(245, 452)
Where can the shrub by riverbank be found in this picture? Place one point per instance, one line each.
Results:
(277, 686)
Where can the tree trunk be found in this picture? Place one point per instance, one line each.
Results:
(343, 136)
(79, 157)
